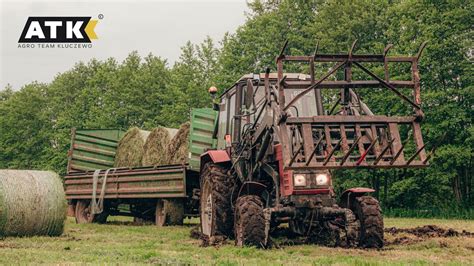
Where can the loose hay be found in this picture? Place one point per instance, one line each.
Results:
(31, 203)
(155, 147)
(177, 150)
(130, 148)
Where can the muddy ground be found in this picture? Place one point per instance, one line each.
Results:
(121, 241)
(393, 236)
(420, 233)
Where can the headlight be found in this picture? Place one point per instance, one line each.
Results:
(300, 180)
(322, 179)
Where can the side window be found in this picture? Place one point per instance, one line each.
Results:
(231, 113)
(222, 127)
(250, 114)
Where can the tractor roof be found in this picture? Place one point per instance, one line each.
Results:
(273, 76)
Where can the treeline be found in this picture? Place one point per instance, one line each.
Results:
(35, 121)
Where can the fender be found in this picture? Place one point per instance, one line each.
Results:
(249, 188)
(215, 156)
(350, 194)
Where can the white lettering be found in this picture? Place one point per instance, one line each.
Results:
(53, 25)
(34, 30)
(73, 29)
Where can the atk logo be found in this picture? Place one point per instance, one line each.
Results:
(59, 30)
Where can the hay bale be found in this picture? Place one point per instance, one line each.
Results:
(177, 150)
(31, 203)
(155, 147)
(172, 131)
(130, 148)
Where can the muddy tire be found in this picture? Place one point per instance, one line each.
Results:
(349, 237)
(368, 212)
(169, 212)
(249, 225)
(215, 201)
(83, 213)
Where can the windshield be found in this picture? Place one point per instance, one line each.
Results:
(305, 106)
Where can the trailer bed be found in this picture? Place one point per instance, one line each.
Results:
(167, 181)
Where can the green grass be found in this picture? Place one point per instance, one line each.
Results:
(463, 213)
(123, 243)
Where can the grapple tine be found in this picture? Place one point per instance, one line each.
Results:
(332, 152)
(416, 154)
(314, 151)
(384, 150)
(362, 158)
(354, 145)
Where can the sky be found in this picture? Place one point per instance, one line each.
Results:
(160, 27)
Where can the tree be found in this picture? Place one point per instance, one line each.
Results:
(191, 75)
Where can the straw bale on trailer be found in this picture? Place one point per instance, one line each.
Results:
(177, 150)
(155, 147)
(130, 148)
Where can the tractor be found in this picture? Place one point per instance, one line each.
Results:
(278, 146)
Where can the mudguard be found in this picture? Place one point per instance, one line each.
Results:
(352, 193)
(249, 188)
(215, 156)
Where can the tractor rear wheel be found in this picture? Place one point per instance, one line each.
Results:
(83, 213)
(169, 212)
(368, 212)
(249, 222)
(215, 201)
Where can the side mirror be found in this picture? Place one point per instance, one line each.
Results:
(249, 94)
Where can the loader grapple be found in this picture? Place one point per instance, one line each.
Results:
(351, 136)
(354, 141)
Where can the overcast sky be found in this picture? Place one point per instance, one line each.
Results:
(159, 27)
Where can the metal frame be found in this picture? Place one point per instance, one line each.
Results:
(354, 138)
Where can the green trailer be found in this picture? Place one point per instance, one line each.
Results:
(163, 194)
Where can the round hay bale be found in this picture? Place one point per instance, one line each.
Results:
(155, 147)
(130, 148)
(172, 131)
(31, 203)
(177, 150)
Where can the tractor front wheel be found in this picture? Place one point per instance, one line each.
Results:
(249, 222)
(368, 212)
(215, 206)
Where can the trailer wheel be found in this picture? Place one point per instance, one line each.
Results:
(249, 222)
(215, 201)
(83, 213)
(368, 212)
(71, 209)
(169, 212)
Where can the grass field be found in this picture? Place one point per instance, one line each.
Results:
(120, 242)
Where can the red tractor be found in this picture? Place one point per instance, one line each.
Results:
(277, 147)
